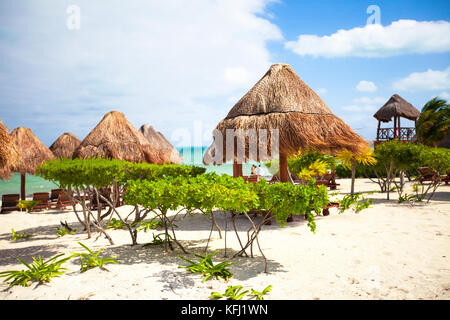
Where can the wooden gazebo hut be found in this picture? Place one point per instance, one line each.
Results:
(394, 109)
(65, 145)
(282, 101)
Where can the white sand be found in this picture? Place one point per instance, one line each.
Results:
(389, 251)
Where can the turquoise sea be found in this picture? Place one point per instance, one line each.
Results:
(191, 156)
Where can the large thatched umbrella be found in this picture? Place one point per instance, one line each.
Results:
(158, 141)
(396, 107)
(65, 145)
(281, 100)
(116, 138)
(33, 153)
(9, 154)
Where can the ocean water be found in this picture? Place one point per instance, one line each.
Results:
(191, 156)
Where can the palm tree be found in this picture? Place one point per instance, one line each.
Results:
(434, 122)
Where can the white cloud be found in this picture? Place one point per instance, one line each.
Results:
(166, 63)
(444, 95)
(425, 81)
(359, 108)
(368, 100)
(375, 40)
(366, 86)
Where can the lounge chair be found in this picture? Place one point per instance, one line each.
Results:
(10, 202)
(54, 194)
(63, 201)
(428, 174)
(328, 180)
(446, 178)
(275, 179)
(106, 192)
(43, 197)
(253, 178)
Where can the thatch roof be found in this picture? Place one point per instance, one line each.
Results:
(115, 137)
(65, 145)
(33, 151)
(158, 141)
(281, 100)
(9, 154)
(394, 107)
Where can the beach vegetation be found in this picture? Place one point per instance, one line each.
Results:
(434, 122)
(63, 231)
(231, 293)
(259, 295)
(105, 180)
(89, 259)
(17, 236)
(39, 270)
(207, 268)
(28, 205)
(350, 160)
(237, 293)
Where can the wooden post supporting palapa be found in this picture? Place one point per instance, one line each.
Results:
(283, 167)
(22, 186)
(395, 127)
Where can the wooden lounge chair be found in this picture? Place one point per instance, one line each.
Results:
(428, 174)
(63, 201)
(54, 194)
(275, 179)
(10, 202)
(43, 197)
(446, 178)
(328, 180)
(106, 192)
(253, 178)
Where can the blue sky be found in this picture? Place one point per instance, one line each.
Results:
(181, 65)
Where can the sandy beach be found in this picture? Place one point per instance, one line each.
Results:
(388, 251)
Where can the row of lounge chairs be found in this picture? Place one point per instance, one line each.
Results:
(57, 198)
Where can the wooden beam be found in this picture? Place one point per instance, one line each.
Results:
(378, 130)
(283, 167)
(22, 186)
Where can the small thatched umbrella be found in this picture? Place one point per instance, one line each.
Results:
(9, 154)
(116, 138)
(33, 153)
(158, 141)
(65, 145)
(281, 100)
(396, 107)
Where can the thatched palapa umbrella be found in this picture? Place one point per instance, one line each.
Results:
(33, 153)
(281, 100)
(115, 137)
(9, 154)
(65, 145)
(158, 141)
